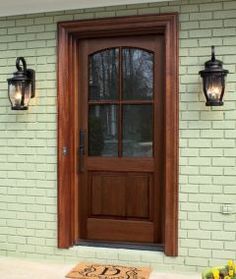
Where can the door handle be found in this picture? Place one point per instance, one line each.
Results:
(81, 150)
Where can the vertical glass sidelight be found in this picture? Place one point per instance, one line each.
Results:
(137, 74)
(103, 75)
(137, 131)
(103, 131)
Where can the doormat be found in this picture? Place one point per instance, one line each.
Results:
(99, 271)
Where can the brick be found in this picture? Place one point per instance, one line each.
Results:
(213, 208)
(211, 7)
(230, 227)
(230, 189)
(105, 14)
(225, 143)
(226, 255)
(211, 244)
(16, 30)
(214, 41)
(43, 20)
(211, 170)
(196, 261)
(170, 9)
(229, 22)
(199, 253)
(228, 180)
(211, 23)
(189, 8)
(190, 25)
(196, 161)
(189, 206)
(201, 16)
(212, 226)
(24, 22)
(199, 216)
(35, 29)
(190, 243)
(214, 189)
(200, 33)
(230, 246)
(223, 161)
(224, 14)
(126, 12)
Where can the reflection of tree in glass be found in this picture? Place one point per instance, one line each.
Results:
(96, 137)
(137, 74)
(103, 130)
(137, 130)
(103, 74)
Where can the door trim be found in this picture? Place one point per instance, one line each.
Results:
(68, 35)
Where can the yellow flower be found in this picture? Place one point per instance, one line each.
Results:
(216, 273)
(231, 272)
(226, 277)
(230, 263)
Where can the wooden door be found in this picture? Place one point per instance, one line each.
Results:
(121, 138)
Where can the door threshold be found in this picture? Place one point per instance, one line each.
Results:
(119, 245)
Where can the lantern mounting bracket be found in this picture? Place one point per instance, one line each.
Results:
(28, 72)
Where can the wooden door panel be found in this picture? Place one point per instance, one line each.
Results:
(138, 195)
(120, 230)
(120, 164)
(122, 195)
(107, 194)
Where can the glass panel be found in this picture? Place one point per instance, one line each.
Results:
(137, 74)
(15, 94)
(103, 75)
(103, 130)
(214, 86)
(137, 130)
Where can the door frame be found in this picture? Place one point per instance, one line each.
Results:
(69, 34)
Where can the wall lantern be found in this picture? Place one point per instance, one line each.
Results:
(21, 87)
(214, 80)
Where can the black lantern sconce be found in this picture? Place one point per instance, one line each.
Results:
(214, 80)
(21, 87)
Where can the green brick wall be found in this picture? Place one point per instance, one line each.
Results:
(207, 175)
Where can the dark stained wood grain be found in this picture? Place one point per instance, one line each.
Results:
(107, 195)
(120, 230)
(120, 164)
(138, 189)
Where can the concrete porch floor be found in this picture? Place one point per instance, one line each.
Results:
(11, 268)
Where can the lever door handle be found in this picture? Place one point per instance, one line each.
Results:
(81, 150)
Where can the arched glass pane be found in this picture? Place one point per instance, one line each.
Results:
(137, 74)
(103, 75)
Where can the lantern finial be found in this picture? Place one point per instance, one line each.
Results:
(213, 58)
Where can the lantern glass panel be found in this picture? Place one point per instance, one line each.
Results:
(20, 94)
(214, 87)
(15, 94)
(27, 93)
